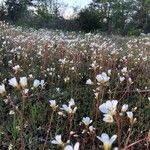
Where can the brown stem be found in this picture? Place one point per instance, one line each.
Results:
(118, 121)
(134, 143)
(98, 101)
(22, 124)
(49, 128)
(128, 137)
(70, 124)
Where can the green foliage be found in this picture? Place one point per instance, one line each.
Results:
(89, 19)
(122, 17)
(15, 9)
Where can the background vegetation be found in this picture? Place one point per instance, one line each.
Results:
(130, 17)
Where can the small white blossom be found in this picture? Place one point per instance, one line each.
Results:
(42, 83)
(16, 68)
(10, 147)
(71, 108)
(124, 70)
(108, 118)
(121, 79)
(124, 108)
(70, 147)
(2, 89)
(57, 140)
(89, 82)
(109, 110)
(109, 107)
(86, 121)
(102, 78)
(107, 141)
(36, 83)
(109, 72)
(130, 116)
(91, 129)
(13, 82)
(130, 80)
(25, 91)
(11, 112)
(23, 82)
(53, 104)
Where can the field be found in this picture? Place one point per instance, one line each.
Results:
(70, 91)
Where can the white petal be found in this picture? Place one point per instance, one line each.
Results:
(54, 142)
(104, 137)
(68, 147)
(103, 108)
(58, 138)
(130, 114)
(76, 146)
(65, 107)
(124, 108)
(113, 138)
(108, 118)
(109, 104)
(114, 103)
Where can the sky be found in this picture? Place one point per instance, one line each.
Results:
(70, 4)
(76, 3)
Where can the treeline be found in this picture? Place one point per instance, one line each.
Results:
(125, 17)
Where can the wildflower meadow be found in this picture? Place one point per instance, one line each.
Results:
(73, 91)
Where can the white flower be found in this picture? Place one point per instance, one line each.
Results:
(16, 68)
(69, 108)
(61, 113)
(109, 72)
(30, 76)
(23, 82)
(36, 83)
(89, 82)
(130, 80)
(13, 82)
(121, 79)
(124, 70)
(11, 112)
(108, 118)
(66, 79)
(57, 140)
(109, 107)
(42, 83)
(124, 108)
(109, 110)
(2, 89)
(96, 95)
(130, 116)
(10, 147)
(70, 147)
(102, 78)
(86, 121)
(25, 91)
(71, 102)
(53, 104)
(91, 129)
(107, 142)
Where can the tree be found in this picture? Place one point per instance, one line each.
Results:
(89, 19)
(16, 9)
(2, 12)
